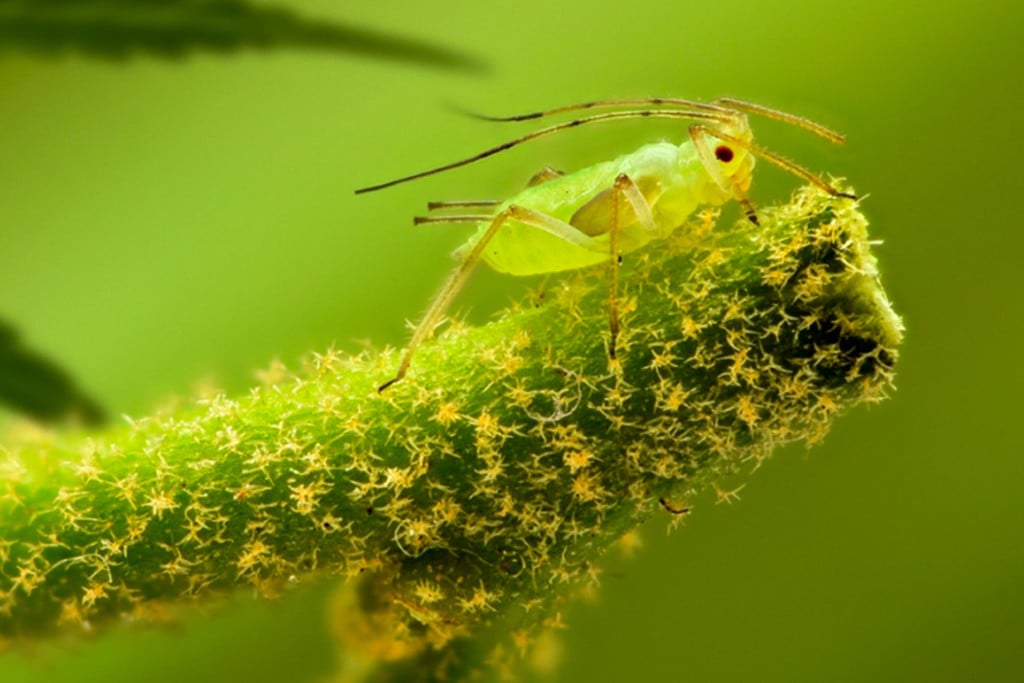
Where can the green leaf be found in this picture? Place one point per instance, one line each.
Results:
(38, 387)
(119, 29)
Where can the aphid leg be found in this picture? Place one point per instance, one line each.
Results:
(613, 264)
(479, 203)
(701, 137)
(560, 229)
(483, 204)
(454, 218)
(444, 298)
(461, 274)
(640, 203)
(543, 175)
(624, 190)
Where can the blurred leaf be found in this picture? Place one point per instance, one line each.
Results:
(38, 387)
(119, 29)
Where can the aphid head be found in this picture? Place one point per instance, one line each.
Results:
(725, 152)
(732, 138)
(735, 164)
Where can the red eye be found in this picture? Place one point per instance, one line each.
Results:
(723, 154)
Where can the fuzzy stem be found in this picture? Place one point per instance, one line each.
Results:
(475, 494)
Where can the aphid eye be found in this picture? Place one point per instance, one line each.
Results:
(723, 154)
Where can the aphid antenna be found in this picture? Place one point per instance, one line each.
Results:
(690, 115)
(726, 106)
(599, 104)
(792, 119)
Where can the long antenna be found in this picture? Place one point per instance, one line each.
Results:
(694, 114)
(768, 112)
(595, 104)
(727, 106)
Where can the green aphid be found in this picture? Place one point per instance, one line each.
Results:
(565, 221)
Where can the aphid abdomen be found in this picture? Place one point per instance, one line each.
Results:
(523, 250)
(520, 249)
(671, 180)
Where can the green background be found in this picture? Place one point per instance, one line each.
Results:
(162, 223)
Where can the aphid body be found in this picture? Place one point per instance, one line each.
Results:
(671, 179)
(596, 214)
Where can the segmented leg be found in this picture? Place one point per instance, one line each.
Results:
(461, 274)
(459, 218)
(624, 189)
(459, 204)
(542, 176)
(482, 204)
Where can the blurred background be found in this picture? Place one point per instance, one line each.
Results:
(165, 222)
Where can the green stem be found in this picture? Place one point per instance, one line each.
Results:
(475, 494)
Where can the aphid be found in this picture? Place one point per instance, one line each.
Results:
(598, 213)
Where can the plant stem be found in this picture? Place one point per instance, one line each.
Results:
(481, 490)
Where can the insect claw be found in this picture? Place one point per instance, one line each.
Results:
(672, 508)
(848, 195)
